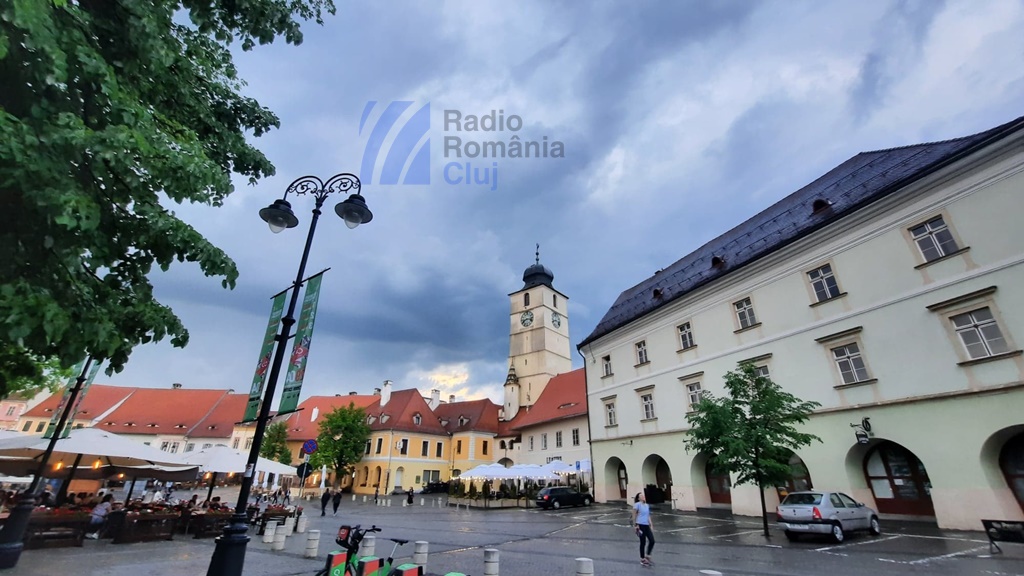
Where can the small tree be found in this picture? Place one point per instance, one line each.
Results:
(342, 438)
(752, 431)
(275, 444)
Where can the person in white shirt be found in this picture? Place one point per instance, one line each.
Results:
(99, 515)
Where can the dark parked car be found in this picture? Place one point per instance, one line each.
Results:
(435, 487)
(558, 496)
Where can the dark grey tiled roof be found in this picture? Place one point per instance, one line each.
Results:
(861, 180)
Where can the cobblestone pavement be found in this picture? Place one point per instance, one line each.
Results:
(534, 542)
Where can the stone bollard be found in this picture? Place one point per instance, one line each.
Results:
(289, 525)
(490, 562)
(312, 544)
(353, 497)
(364, 498)
(422, 500)
(369, 546)
(268, 533)
(389, 503)
(419, 556)
(279, 539)
(301, 523)
(584, 567)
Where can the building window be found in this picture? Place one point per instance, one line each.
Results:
(164, 446)
(554, 300)
(484, 448)
(28, 424)
(824, 283)
(425, 449)
(979, 333)
(934, 239)
(526, 299)
(367, 449)
(641, 352)
(531, 443)
(762, 371)
(544, 441)
(234, 443)
(403, 446)
(248, 443)
(40, 426)
(380, 445)
(745, 313)
(174, 447)
(609, 414)
(606, 363)
(10, 411)
(417, 419)
(458, 447)
(685, 336)
(575, 436)
(440, 450)
(850, 363)
(190, 447)
(205, 446)
(558, 439)
(647, 400)
(694, 394)
(77, 426)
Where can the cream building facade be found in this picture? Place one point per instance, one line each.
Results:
(889, 291)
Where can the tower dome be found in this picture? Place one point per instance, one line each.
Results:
(538, 274)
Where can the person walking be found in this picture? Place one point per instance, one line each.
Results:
(641, 521)
(337, 501)
(324, 500)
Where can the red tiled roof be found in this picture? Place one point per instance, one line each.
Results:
(482, 416)
(302, 425)
(220, 422)
(165, 410)
(400, 410)
(565, 396)
(98, 399)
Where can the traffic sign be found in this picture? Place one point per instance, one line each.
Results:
(304, 470)
(309, 446)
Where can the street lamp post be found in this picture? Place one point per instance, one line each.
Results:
(229, 554)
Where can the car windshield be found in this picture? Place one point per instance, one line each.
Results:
(806, 499)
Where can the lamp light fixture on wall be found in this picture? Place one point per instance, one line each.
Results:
(862, 431)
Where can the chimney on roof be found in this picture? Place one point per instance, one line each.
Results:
(352, 393)
(176, 386)
(314, 414)
(451, 399)
(385, 394)
(435, 398)
(376, 391)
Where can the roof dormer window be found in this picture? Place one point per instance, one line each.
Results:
(463, 420)
(180, 426)
(417, 419)
(819, 205)
(152, 425)
(717, 262)
(130, 424)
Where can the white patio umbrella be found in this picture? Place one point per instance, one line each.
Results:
(559, 467)
(226, 460)
(323, 477)
(91, 444)
(486, 472)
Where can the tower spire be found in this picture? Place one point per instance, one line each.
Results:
(537, 254)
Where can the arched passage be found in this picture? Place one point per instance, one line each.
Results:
(799, 479)
(719, 483)
(376, 477)
(399, 476)
(615, 479)
(1011, 462)
(898, 480)
(657, 479)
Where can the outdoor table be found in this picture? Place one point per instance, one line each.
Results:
(272, 515)
(206, 524)
(146, 527)
(56, 529)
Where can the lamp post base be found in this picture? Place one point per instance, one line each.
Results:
(13, 533)
(229, 554)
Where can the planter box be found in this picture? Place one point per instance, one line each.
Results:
(146, 527)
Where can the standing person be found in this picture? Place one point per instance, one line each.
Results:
(642, 521)
(99, 515)
(324, 500)
(337, 500)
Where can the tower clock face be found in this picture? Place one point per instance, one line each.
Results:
(556, 319)
(526, 318)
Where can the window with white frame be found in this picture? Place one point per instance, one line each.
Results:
(205, 446)
(850, 363)
(609, 414)
(248, 443)
(823, 281)
(606, 364)
(762, 371)
(685, 336)
(544, 441)
(165, 446)
(693, 394)
(979, 333)
(403, 446)
(558, 439)
(368, 444)
(10, 410)
(575, 436)
(641, 352)
(745, 313)
(380, 445)
(934, 239)
(174, 447)
(234, 443)
(531, 443)
(647, 401)
(190, 447)
(425, 448)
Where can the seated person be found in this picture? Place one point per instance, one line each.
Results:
(99, 515)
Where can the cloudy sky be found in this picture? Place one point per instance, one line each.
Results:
(679, 120)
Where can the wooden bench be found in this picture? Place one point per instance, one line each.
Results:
(146, 527)
(268, 517)
(210, 524)
(55, 531)
(1003, 531)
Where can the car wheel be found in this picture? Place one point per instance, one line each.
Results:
(875, 528)
(586, 501)
(792, 536)
(837, 532)
(556, 505)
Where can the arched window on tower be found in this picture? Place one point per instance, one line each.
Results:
(526, 299)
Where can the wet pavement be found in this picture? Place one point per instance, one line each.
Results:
(548, 542)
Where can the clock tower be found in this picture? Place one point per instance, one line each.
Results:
(538, 338)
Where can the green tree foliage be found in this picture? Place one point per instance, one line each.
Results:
(24, 374)
(341, 440)
(753, 431)
(275, 443)
(110, 110)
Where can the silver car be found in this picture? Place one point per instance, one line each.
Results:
(832, 513)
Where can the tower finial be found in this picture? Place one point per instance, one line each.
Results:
(538, 254)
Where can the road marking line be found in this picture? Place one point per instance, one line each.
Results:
(945, 538)
(711, 572)
(933, 558)
(856, 543)
(685, 529)
(737, 534)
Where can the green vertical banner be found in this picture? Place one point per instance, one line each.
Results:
(54, 420)
(252, 408)
(300, 349)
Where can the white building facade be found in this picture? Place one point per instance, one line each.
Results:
(889, 291)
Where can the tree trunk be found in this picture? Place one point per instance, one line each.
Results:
(760, 489)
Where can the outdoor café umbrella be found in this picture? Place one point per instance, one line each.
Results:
(222, 459)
